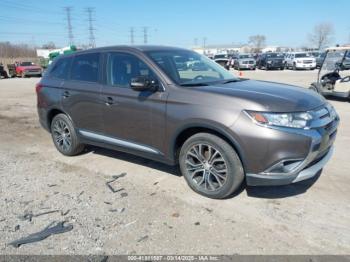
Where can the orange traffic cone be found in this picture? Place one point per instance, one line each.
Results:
(240, 73)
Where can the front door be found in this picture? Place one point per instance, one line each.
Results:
(135, 120)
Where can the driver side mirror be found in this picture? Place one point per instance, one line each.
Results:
(144, 83)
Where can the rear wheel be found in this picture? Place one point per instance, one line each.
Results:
(210, 166)
(64, 136)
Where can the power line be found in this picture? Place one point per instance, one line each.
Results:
(89, 10)
(69, 25)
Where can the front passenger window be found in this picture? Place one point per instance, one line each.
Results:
(121, 68)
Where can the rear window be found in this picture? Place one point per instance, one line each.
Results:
(86, 67)
(61, 68)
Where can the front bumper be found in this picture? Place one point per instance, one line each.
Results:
(293, 167)
(305, 66)
(277, 180)
(32, 73)
(247, 66)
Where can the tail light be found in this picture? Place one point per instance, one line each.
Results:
(38, 87)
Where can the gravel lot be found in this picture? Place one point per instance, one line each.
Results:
(157, 213)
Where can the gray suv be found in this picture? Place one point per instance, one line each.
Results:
(220, 130)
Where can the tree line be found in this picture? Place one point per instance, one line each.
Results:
(9, 50)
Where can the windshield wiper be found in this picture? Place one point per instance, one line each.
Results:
(231, 81)
(194, 84)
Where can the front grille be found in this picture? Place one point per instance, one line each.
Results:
(307, 61)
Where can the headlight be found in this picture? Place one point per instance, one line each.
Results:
(294, 120)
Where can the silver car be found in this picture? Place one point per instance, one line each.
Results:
(245, 61)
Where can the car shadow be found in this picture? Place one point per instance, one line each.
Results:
(268, 192)
(338, 99)
(173, 170)
(273, 192)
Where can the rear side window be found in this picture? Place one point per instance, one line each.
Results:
(86, 67)
(61, 68)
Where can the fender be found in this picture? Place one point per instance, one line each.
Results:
(212, 125)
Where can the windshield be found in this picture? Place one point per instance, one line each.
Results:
(26, 64)
(331, 62)
(194, 69)
(274, 55)
(244, 56)
(300, 55)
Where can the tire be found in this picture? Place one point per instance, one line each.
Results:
(314, 88)
(202, 180)
(60, 125)
(294, 67)
(23, 75)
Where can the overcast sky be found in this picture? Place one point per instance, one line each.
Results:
(176, 22)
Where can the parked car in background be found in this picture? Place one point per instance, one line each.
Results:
(300, 60)
(223, 60)
(345, 63)
(315, 53)
(3, 72)
(220, 130)
(319, 59)
(270, 61)
(24, 69)
(244, 61)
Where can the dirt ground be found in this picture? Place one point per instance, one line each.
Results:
(156, 212)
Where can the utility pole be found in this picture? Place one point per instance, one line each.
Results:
(204, 41)
(145, 35)
(68, 9)
(89, 11)
(131, 35)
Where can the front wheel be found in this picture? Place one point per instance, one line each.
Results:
(211, 166)
(314, 88)
(64, 136)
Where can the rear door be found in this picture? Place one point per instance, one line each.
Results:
(137, 118)
(81, 92)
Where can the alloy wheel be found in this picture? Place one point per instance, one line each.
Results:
(62, 135)
(207, 167)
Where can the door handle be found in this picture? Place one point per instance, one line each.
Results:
(109, 101)
(65, 94)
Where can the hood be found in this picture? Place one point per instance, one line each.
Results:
(29, 67)
(274, 59)
(268, 96)
(246, 59)
(305, 58)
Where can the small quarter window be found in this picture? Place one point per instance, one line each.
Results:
(61, 68)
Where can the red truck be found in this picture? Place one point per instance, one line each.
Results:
(24, 69)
